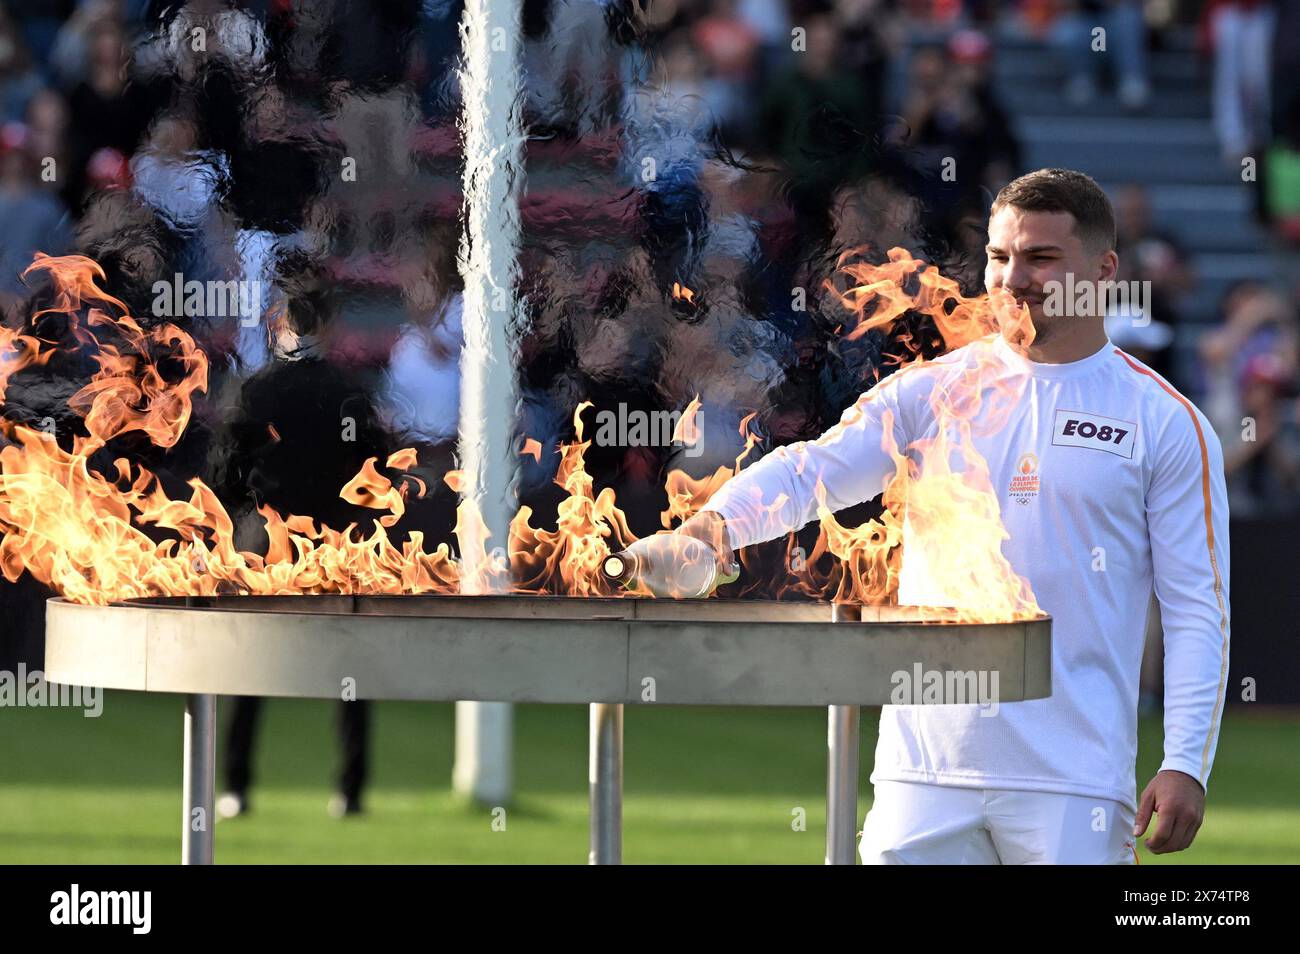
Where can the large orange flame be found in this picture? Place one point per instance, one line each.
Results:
(945, 518)
(84, 532)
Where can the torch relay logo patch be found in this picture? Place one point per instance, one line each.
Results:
(1024, 482)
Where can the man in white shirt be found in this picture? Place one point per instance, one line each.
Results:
(1129, 494)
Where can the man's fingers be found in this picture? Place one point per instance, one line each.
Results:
(1186, 832)
(1164, 831)
(1144, 812)
(1178, 812)
(1182, 835)
(1171, 833)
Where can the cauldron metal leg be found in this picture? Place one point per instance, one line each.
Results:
(200, 779)
(842, 784)
(605, 775)
(842, 732)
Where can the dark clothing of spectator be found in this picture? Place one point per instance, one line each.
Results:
(817, 125)
(34, 221)
(99, 121)
(352, 726)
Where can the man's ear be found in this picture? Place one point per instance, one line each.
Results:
(1109, 266)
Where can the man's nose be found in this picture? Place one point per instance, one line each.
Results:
(1015, 276)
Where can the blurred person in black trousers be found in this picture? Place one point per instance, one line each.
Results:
(302, 427)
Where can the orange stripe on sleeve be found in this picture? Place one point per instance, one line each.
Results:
(1209, 543)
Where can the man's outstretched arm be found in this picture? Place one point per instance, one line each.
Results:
(780, 493)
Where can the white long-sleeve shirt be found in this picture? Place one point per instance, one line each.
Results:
(1123, 463)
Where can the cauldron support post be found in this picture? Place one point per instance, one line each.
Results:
(605, 775)
(200, 778)
(842, 735)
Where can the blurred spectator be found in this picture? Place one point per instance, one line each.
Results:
(566, 60)
(1282, 169)
(770, 19)
(729, 48)
(1122, 44)
(1149, 254)
(1285, 60)
(1256, 320)
(34, 218)
(281, 447)
(868, 34)
(1264, 472)
(47, 121)
(677, 100)
(70, 54)
(438, 54)
(106, 110)
(814, 114)
(1145, 339)
(421, 393)
(996, 152)
(40, 21)
(954, 128)
(233, 38)
(173, 174)
(681, 71)
(1240, 34)
(1250, 365)
(18, 81)
(108, 169)
(728, 42)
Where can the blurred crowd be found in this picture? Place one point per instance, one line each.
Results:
(788, 132)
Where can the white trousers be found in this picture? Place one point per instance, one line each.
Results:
(914, 823)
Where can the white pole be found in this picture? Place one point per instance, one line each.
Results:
(494, 137)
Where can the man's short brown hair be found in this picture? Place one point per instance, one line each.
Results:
(1064, 190)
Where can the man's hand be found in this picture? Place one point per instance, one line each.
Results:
(708, 525)
(689, 563)
(1179, 800)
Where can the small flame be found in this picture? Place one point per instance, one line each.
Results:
(404, 459)
(371, 489)
(455, 479)
(569, 559)
(687, 430)
(687, 494)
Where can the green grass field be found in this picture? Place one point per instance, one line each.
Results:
(702, 785)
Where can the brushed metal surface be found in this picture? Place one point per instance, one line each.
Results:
(530, 649)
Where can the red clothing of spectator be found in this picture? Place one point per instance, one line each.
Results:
(730, 45)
